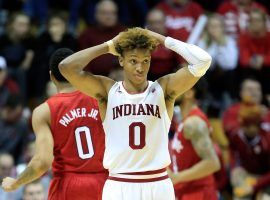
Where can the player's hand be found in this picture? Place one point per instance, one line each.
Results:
(115, 39)
(171, 175)
(160, 38)
(111, 46)
(9, 184)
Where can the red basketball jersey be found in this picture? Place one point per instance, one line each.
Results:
(184, 156)
(79, 139)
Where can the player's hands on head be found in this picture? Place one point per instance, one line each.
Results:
(111, 46)
(9, 184)
(160, 38)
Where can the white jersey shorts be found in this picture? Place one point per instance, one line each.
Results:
(152, 185)
(158, 190)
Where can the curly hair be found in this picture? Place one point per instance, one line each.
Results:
(135, 38)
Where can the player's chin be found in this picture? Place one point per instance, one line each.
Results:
(139, 79)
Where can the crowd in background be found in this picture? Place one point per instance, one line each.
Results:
(235, 90)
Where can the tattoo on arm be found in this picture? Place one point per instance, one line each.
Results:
(197, 132)
(28, 175)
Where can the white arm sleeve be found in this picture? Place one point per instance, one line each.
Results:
(198, 59)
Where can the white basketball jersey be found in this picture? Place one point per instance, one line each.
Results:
(136, 127)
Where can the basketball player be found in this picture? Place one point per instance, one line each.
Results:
(194, 160)
(69, 135)
(136, 113)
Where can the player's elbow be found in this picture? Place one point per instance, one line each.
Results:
(215, 164)
(45, 164)
(64, 67)
(206, 61)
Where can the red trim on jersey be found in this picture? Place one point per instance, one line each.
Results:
(135, 92)
(138, 180)
(146, 172)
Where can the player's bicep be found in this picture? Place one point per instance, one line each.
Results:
(177, 83)
(44, 140)
(196, 130)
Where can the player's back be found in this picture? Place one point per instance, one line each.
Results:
(77, 132)
(79, 142)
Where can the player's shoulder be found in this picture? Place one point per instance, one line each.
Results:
(41, 112)
(194, 126)
(42, 107)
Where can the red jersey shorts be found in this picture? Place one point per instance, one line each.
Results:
(77, 186)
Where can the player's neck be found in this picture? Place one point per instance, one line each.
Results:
(135, 88)
(186, 107)
(65, 88)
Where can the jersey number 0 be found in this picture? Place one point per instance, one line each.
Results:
(84, 130)
(140, 127)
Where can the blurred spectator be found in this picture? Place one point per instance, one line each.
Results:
(13, 128)
(6, 165)
(255, 50)
(105, 29)
(248, 128)
(7, 86)
(250, 146)
(236, 15)
(34, 191)
(128, 12)
(163, 61)
(7, 169)
(224, 52)
(56, 36)
(181, 16)
(250, 93)
(16, 48)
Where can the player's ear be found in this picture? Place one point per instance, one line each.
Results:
(50, 72)
(52, 77)
(121, 61)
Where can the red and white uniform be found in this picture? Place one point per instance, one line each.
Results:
(180, 21)
(184, 157)
(236, 20)
(79, 143)
(136, 154)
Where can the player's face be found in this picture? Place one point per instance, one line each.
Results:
(136, 65)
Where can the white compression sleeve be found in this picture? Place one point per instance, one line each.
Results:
(198, 59)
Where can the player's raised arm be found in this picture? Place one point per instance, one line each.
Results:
(43, 157)
(198, 63)
(72, 69)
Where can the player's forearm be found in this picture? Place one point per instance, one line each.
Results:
(198, 59)
(35, 169)
(77, 61)
(200, 170)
